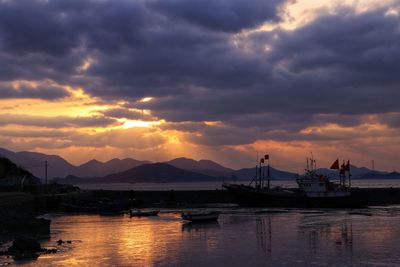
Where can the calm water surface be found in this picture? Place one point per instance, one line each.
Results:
(241, 237)
(218, 185)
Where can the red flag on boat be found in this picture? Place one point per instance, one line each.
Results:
(335, 165)
(266, 156)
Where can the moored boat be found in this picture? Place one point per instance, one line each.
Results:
(313, 190)
(200, 216)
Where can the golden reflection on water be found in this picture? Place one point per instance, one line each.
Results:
(145, 240)
(118, 241)
(330, 238)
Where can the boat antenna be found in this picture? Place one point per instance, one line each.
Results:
(307, 168)
(261, 173)
(348, 162)
(312, 161)
(256, 176)
(45, 174)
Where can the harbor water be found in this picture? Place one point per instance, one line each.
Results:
(240, 237)
(370, 183)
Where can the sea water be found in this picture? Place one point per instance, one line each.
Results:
(240, 237)
(218, 185)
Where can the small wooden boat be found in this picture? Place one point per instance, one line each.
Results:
(142, 213)
(200, 216)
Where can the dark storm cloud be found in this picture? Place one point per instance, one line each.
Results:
(34, 26)
(391, 119)
(185, 126)
(189, 56)
(220, 15)
(338, 64)
(224, 135)
(57, 121)
(41, 92)
(56, 27)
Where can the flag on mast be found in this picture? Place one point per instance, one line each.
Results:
(335, 165)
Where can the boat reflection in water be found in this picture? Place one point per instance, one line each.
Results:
(200, 226)
(264, 234)
(320, 231)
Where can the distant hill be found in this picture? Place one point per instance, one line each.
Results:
(59, 167)
(34, 162)
(94, 168)
(146, 173)
(12, 175)
(203, 166)
(361, 173)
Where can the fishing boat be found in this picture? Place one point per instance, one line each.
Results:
(143, 213)
(319, 191)
(200, 216)
(314, 190)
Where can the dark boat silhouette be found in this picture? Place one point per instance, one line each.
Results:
(313, 190)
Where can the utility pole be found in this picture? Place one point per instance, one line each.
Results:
(373, 165)
(45, 172)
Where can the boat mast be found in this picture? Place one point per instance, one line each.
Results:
(348, 168)
(260, 174)
(268, 172)
(45, 172)
(307, 168)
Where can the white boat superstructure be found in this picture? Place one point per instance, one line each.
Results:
(316, 185)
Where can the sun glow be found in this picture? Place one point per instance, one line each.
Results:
(85, 64)
(145, 99)
(138, 123)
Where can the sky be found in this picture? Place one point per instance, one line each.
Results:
(206, 79)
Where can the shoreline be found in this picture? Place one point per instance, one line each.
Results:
(197, 198)
(20, 203)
